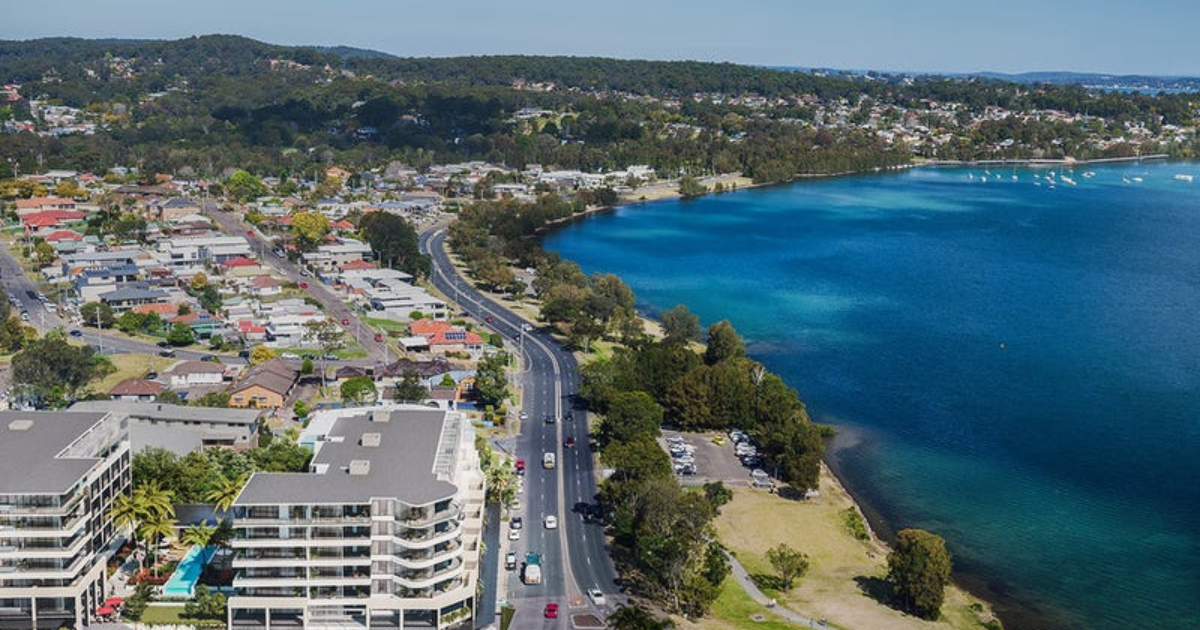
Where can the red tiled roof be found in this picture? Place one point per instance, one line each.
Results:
(358, 264)
(63, 235)
(47, 218)
(342, 225)
(240, 261)
(137, 387)
(438, 333)
(247, 326)
(161, 309)
(263, 282)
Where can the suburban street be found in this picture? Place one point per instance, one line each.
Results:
(232, 224)
(574, 556)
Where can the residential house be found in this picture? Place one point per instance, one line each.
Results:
(129, 296)
(242, 267)
(51, 219)
(266, 386)
(33, 205)
(444, 337)
(173, 209)
(197, 250)
(136, 390)
(331, 257)
(186, 374)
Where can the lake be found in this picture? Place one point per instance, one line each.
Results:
(1012, 361)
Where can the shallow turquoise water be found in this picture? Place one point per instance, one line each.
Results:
(1015, 367)
(182, 582)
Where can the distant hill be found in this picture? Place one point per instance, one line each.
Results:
(1113, 82)
(350, 52)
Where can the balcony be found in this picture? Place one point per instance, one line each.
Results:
(429, 577)
(426, 517)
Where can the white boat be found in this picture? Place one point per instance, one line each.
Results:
(1184, 178)
(1137, 180)
(1089, 174)
(1067, 180)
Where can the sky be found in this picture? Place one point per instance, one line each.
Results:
(949, 36)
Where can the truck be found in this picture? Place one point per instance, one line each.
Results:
(533, 568)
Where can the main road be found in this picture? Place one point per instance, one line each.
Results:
(574, 556)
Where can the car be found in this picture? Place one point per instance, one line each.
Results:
(523, 415)
(489, 319)
(551, 611)
(211, 358)
(166, 353)
(303, 271)
(520, 466)
(514, 534)
(517, 522)
(378, 336)
(510, 561)
(291, 356)
(330, 357)
(345, 321)
(76, 333)
(151, 375)
(597, 596)
(527, 327)
(244, 354)
(550, 419)
(569, 442)
(303, 285)
(163, 344)
(24, 316)
(551, 521)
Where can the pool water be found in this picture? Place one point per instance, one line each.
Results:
(182, 582)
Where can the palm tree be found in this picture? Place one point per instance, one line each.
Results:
(154, 501)
(198, 535)
(224, 494)
(153, 530)
(123, 512)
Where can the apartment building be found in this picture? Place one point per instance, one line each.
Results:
(59, 471)
(383, 532)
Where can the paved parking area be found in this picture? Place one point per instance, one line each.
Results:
(713, 462)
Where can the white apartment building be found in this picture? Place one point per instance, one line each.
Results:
(197, 250)
(383, 532)
(59, 472)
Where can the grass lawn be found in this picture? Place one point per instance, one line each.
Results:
(131, 366)
(842, 569)
(735, 609)
(164, 615)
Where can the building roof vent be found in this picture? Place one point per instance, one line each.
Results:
(371, 440)
(359, 467)
(20, 425)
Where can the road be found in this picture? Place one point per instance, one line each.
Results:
(574, 556)
(232, 224)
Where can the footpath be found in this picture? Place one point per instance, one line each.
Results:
(743, 578)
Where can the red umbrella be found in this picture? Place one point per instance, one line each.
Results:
(106, 610)
(114, 601)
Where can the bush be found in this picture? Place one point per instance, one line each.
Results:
(854, 524)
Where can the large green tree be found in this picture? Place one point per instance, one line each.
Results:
(680, 325)
(788, 563)
(96, 314)
(51, 371)
(723, 343)
(359, 390)
(919, 569)
(244, 186)
(491, 380)
(395, 242)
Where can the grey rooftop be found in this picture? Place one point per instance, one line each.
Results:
(30, 444)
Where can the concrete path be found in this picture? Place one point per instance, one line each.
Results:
(743, 578)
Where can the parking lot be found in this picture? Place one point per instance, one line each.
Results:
(712, 461)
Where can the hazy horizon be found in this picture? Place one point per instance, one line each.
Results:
(916, 36)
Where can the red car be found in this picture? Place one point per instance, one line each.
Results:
(551, 611)
(378, 336)
(303, 285)
(345, 321)
(520, 467)
(570, 442)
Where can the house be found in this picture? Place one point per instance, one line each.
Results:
(202, 323)
(264, 286)
(136, 390)
(57, 236)
(330, 257)
(187, 374)
(266, 386)
(190, 251)
(242, 267)
(444, 337)
(129, 296)
(173, 209)
(40, 204)
(51, 219)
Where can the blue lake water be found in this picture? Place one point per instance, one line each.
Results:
(1013, 366)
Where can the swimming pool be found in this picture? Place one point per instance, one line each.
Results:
(183, 581)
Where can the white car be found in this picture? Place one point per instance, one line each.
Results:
(597, 596)
(514, 534)
(526, 327)
(551, 521)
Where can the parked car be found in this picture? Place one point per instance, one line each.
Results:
(76, 333)
(166, 353)
(517, 522)
(514, 534)
(510, 561)
(520, 466)
(290, 356)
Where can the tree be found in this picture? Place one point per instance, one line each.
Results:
(680, 325)
(327, 334)
(919, 569)
(51, 371)
(181, 335)
(723, 343)
(306, 366)
(199, 534)
(309, 228)
(360, 390)
(630, 617)
(244, 186)
(788, 563)
(491, 382)
(44, 253)
(96, 314)
(410, 388)
(224, 494)
(631, 414)
(261, 354)
(690, 187)
(395, 242)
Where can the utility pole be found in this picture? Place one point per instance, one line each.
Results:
(99, 338)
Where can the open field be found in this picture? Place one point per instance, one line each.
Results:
(842, 571)
(131, 366)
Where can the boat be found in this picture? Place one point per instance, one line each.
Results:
(1089, 174)
(1138, 180)
(1184, 178)
(1067, 180)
